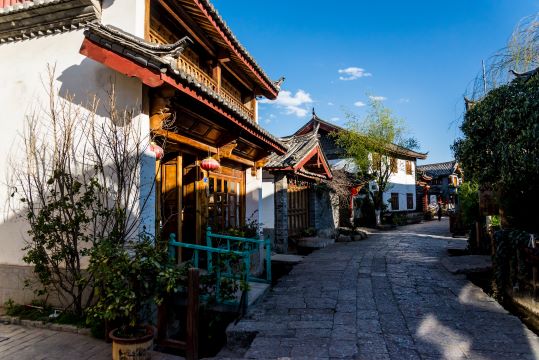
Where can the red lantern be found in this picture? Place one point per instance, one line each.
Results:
(354, 191)
(157, 150)
(209, 164)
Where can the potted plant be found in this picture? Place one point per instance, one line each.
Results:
(129, 280)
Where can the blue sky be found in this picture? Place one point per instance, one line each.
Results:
(419, 56)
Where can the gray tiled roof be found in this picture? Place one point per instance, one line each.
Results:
(438, 169)
(162, 58)
(391, 148)
(297, 148)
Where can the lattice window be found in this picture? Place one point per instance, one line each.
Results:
(224, 202)
(409, 201)
(394, 201)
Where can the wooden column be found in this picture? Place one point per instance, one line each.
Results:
(217, 75)
(192, 315)
(179, 184)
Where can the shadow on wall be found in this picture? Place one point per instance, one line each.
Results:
(83, 82)
(14, 229)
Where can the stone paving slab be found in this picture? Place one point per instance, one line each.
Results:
(387, 297)
(27, 343)
(467, 263)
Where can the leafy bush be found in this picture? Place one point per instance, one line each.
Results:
(469, 203)
(129, 278)
(509, 265)
(500, 149)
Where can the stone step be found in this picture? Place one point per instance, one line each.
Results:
(467, 263)
(314, 242)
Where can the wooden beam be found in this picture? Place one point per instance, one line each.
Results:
(184, 20)
(184, 140)
(147, 20)
(242, 81)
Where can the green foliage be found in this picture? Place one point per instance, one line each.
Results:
(40, 311)
(469, 203)
(310, 231)
(129, 278)
(368, 142)
(398, 219)
(509, 266)
(500, 147)
(61, 232)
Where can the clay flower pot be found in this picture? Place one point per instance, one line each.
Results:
(132, 348)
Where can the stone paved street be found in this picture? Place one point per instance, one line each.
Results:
(27, 343)
(386, 297)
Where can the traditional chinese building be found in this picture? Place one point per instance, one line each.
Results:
(446, 177)
(291, 203)
(401, 192)
(191, 83)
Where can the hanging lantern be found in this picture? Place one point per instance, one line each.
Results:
(354, 191)
(157, 150)
(209, 164)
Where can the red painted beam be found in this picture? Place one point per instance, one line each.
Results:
(154, 79)
(198, 96)
(309, 156)
(119, 63)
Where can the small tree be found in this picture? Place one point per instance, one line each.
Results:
(370, 143)
(79, 183)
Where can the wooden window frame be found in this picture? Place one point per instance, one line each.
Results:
(393, 162)
(409, 170)
(409, 201)
(395, 201)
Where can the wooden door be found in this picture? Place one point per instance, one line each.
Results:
(298, 209)
(190, 176)
(225, 201)
(170, 199)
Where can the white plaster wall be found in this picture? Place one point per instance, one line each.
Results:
(253, 194)
(23, 68)
(268, 201)
(402, 184)
(128, 15)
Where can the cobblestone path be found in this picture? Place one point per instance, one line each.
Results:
(386, 297)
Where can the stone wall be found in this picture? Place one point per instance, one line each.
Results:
(281, 213)
(326, 213)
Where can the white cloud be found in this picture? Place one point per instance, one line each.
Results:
(330, 103)
(334, 119)
(404, 100)
(353, 73)
(377, 98)
(292, 104)
(359, 103)
(267, 121)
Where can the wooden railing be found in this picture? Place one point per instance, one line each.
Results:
(234, 101)
(201, 77)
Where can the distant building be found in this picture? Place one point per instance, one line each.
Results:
(445, 177)
(401, 193)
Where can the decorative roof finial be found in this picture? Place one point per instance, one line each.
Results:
(279, 82)
(314, 114)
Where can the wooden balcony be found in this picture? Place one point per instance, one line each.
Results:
(203, 78)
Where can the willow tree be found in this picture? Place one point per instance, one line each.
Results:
(371, 143)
